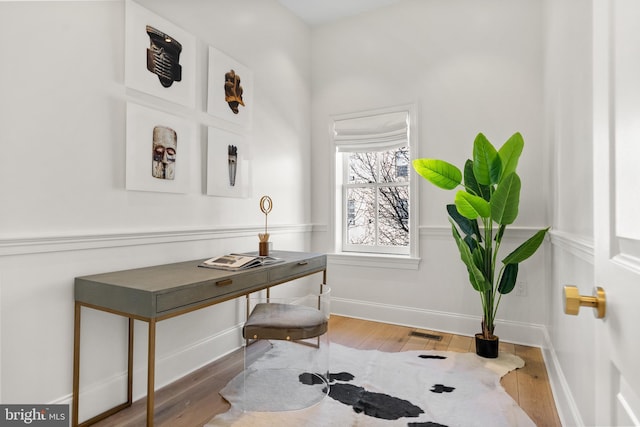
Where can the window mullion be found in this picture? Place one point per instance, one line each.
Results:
(377, 200)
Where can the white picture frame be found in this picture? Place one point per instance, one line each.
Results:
(219, 65)
(138, 45)
(141, 137)
(219, 164)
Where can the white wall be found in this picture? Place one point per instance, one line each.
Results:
(469, 67)
(65, 211)
(64, 104)
(568, 75)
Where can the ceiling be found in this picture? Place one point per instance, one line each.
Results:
(318, 12)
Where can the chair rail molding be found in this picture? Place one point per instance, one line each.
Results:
(577, 245)
(72, 242)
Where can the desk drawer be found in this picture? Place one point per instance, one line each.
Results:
(209, 290)
(297, 269)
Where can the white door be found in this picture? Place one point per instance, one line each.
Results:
(616, 103)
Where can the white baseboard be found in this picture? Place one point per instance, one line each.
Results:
(515, 332)
(565, 404)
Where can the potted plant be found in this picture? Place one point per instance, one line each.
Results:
(483, 208)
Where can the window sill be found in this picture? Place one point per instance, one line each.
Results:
(355, 259)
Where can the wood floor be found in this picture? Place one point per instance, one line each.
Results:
(193, 400)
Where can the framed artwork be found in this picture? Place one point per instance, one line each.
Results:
(230, 89)
(160, 57)
(227, 164)
(160, 151)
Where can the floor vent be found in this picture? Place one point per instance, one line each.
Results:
(426, 336)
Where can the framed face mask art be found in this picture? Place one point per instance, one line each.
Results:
(165, 149)
(160, 57)
(228, 171)
(230, 89)
(160, 151)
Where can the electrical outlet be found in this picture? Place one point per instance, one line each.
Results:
(521, 289)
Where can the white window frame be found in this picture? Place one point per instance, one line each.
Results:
(375, 130)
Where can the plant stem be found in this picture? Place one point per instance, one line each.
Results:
(496, 307)
(488, 266)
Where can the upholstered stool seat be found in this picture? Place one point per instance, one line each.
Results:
(287, 352)
(277, 321)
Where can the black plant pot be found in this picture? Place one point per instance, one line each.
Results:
(487, 347)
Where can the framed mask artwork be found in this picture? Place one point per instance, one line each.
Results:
(227, 164)
(160, 57)
(230, 89)
(160, 151)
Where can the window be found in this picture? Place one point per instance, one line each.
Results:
(373, 195)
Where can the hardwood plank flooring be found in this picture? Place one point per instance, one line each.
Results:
(194, 399)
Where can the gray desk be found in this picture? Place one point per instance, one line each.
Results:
(152, 294)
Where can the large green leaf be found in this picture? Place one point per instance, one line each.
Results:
(508, 279)
(469, 227)
(510, 152)
(438, 172)
(495, 172)
(471, 183)
(465, 224)
(471, 206)
(500, 232)
(476, 277)
(526, 249)
(477, 254)
(505, 200)
(484, 154)
(471, 242)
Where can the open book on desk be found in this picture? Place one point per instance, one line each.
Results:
(235, 262)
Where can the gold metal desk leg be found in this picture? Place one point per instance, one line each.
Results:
(76, 364)
(151, 361)
(130, 364)
(76, 374)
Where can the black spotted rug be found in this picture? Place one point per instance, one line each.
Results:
(375, 388)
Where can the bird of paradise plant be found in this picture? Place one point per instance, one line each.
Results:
(485, 205)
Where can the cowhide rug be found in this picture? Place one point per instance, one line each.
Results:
(410, 388)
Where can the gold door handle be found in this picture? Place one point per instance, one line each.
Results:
(573, 301)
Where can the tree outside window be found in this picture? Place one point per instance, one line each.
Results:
(377, 199)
